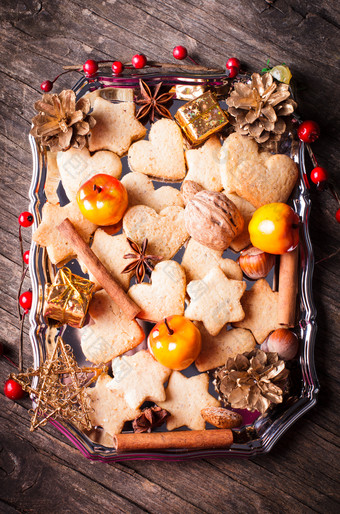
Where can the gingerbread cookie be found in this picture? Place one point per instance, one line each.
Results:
(216, 350)
(247, 210)
(204, 165)
(141, 191)
(165, 231)
(108, 409)
(185, 398)
(110, 250)
(112, 333)
(215, 300)
(164, 296)
(116, 126)
(198, 260)
(161, 157)
(260, 305)
(52, 178)
(47, 234)
(260, 178)
(142, 379)
(78, 166)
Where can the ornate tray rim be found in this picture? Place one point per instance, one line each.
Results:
(271, 432)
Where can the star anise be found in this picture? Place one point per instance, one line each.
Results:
(153, 104)
(141, 262)
(150, 418)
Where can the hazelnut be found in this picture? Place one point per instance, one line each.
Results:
(255, 263)
(188, 190)
(213, 220)
(282, 341)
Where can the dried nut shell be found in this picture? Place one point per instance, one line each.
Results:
(213, 220)
(282, 341)
(255, 263)
(188, 190)
(221, 418)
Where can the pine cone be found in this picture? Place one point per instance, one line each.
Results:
(252, 381)
(61, 122)
(257, 108)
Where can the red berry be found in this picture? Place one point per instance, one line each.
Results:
(13, 390)
(90, 67)
(25, 300)
(46, 86)
(117, 67)
(26, 257)
(138, 61)
(233, 71)
(180, 52)
(233, 62)
(308, 131)
(318, 175)
(26, 219)
(337, 215)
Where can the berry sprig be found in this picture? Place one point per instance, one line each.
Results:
(233, 65)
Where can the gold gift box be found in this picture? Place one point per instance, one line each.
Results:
(201, 117)
(68, 298)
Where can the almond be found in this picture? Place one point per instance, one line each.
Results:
(221, 418)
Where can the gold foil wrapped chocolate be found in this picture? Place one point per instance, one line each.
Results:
(201, 117)
(252, 381)
(68, 298)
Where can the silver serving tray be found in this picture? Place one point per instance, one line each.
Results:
(257, 437)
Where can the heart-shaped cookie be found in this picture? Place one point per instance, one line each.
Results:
(260, 178)
(165, 231)
(77, 166)
(164, 296)
(162, 156)
(141, 192)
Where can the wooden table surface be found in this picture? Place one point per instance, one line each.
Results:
(41, 471)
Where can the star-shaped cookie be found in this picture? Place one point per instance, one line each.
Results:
(109, 409)
(216, 350)
(215, 300)
(164, 296)
(204, 165)
(78, 166)
(112, 333)
(116, 126)
(141, 191)
(198, 260)
(165, 231)
(47, 234)
(142, 379)
(260, 305)
(185, 398)
(110, 250)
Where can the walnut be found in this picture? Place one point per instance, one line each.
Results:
(213, 220)
(188, 190)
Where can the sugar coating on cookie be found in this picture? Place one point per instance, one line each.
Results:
(216, 350)
(260, 178)
(164, 296)
(204, 165)
(162, 156)
(141, 191)
(139, 378)
(215, 300)
(185, 398)
(116, 126)
(260, 305)
(166, 232)
(198, 260)
(108, 409)
(78, 166)
(112, 332)
(47, 234)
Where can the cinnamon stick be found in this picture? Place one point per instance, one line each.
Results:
(98, 270)
(186, 439)
(288, 287)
